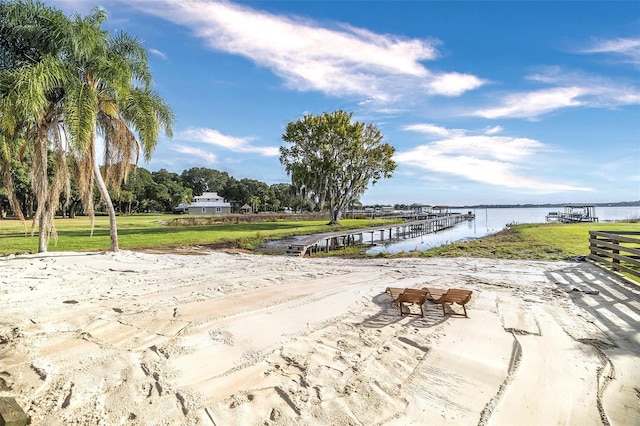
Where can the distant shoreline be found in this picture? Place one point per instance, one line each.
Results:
(529, 206)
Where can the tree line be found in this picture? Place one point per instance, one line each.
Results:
(161, 191)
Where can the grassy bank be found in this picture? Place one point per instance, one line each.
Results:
(553, 241)
(550, 241)
(153, 232)
(541, 241)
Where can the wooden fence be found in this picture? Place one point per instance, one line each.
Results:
(619, 249)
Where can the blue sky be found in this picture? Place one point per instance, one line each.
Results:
(485, 102)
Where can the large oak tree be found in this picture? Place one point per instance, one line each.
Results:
(333, 159)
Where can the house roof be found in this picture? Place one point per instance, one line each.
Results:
(209, 204)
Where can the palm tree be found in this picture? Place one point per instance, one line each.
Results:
(31, 76)
(55, 70)
(108, 94)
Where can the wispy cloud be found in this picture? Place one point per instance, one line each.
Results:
(493, 130)
(338, 60)
(619, 169)
(232, 143)
(433, 130)
(158, 53)
(197, 153)
(570, 90)
(626, 48)
(533, 104)
(496, 160)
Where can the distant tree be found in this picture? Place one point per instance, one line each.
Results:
(15, 182)
(335, 159)
(282, 195)
(201, 180)
(236, 193)
(167, 191)
(240, 192)
(259, 190)
(137, 183)
(183, 196)
(254, 201)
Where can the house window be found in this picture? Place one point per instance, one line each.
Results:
(218, 209)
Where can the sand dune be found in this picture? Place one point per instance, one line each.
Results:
(229, 339)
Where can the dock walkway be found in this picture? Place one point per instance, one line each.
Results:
(341, 239)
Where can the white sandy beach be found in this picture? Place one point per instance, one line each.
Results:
(238, 339)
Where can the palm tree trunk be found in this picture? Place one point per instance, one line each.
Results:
(42, 189)
(43, 232)
(104, 193)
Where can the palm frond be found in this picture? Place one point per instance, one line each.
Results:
(80, 112)
(133, 52)
(147, 113)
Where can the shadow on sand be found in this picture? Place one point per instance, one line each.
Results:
(390, 313)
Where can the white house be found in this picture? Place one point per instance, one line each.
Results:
(209, 203)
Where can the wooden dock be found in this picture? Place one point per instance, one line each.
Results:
(573, 214)
(397, 231)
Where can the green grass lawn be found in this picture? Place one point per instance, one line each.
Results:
(151, 231)
(548, 241)
(551, 241)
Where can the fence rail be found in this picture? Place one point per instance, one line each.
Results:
(618, 249)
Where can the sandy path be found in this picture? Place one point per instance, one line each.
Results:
(224, 338)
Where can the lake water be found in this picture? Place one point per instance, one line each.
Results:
(490, 221)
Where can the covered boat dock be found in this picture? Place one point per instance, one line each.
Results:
(574, 213)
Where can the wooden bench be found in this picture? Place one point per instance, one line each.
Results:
(435, 293)
(453, 295)
(412, 296)
(394, 292)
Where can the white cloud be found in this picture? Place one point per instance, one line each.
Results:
(569, 89)
(628, 48)
(493, 130)
(454, 84)
(597, 91)
(232, 143)
(196, 152)
(433, 130)
(307, 55)
(495, 160)
(535, 103)
(158, 53)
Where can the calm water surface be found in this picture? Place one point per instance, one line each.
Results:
(490, 221)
